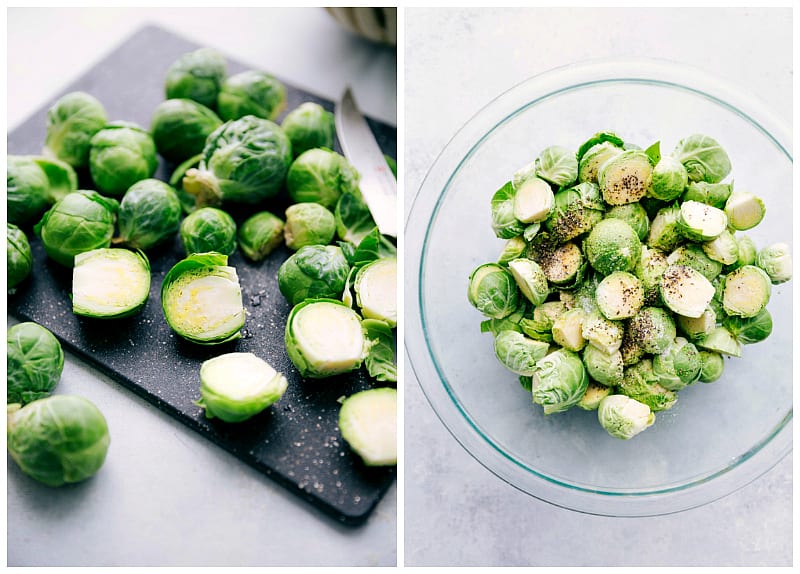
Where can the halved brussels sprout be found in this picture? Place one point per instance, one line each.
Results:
(149, 214)
(202, 300)
(694, 256)
(518, 353)
(712, 365)
(237, 386)
(749, 330)
(315, 271)
(540, 326)
(308, 224)
(746, 292)
(746, 251)
(593, 396)
(602, 333)
(563, 265)
(324, 337)
(180, 128)
(634, 215)
(630, 349)
(514, 248)
(720, 340)
(590, 163)
(122, 153)
(678, 365)
(82, 221)
(598, 139)
(669, 179)
(557, 165)
(641, 383)
(368, 422)
(703, 157)
(568, 329)
(665, 233)
(208, 229)
(35, 361)
(715, 194)
(504, 224)
(321, 176)
(701, 222)
(110, 283)
(260, 235)
(723, 249)
(376, 290)
(694, 327)
(197, 76)
(244, 161)
(625, 178)
(612, 246)
(533, 201)
(649, 269)
(27, 190)
(776, 261)
(493, 291)
(605, 368)
(71, 123)
(251, 93)
(560, 381)
(530, 279)
(623, 417)
(744, 210)
(308, 126)
(19, 260)
(58, 440)
(685, 290)
(620, 295)
(652, 329)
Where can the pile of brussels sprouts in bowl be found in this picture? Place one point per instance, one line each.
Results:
(625, 276)
(235, 169)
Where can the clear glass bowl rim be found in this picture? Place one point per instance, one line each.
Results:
(758, 460)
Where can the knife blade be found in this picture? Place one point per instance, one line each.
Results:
(377, 184)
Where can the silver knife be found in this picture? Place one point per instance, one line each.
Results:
(378, 185)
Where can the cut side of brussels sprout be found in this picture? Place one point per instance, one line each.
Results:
(568, 330)
(530, 279)
(237, 386)
(600, 332)
(533, 201)
(700, 222)
(625, 178)
(110, 283)
(563, 264)
(746, 292)
(623, 417)
(594, 158)
(368, 422)
(620, 295)
(593, 396)
(686, 291)
(202, 300)
(376, 290)
(744, 210)
(694, 327)
(724, 249)
(324, 338)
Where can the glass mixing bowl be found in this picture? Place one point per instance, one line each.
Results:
(719, 436)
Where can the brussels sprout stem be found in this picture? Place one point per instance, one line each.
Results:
(203, 185)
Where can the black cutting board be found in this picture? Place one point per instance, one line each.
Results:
(296, 441)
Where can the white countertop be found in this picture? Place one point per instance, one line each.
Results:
(166, 496)
(456, 511)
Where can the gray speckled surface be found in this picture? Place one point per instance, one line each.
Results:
(456, 511)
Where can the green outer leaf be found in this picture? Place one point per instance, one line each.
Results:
(60, 175)
(654, 152)
(353, 218)
(373, 246)
(598, 138)
(19, 261)
(381, 361)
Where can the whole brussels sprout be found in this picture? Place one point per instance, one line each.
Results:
(308, 224)
(19, 261)
(712, 365)
(315, 271)
(149, 214)
(665, 233)
(58, 440)
(623, 417)
(557, 165)
(703, 158)
(504, 224)
(776, 261)
(197, 76)
(244, 161)
(122, 153)
(35, 362)
(560, 381)
(749, 330)
(612, 246)
(714, 194)
(309, 126)
(180, 128)
(668, 180)
(260, 235)
(82, 221)
(746, 251)
(251, 93)
(321, 176)
(653, 329)
(72, 122)
(634, 215)
(678, 365)
(607, 369)
(208, 229)
(27, 190)
(493, 291)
